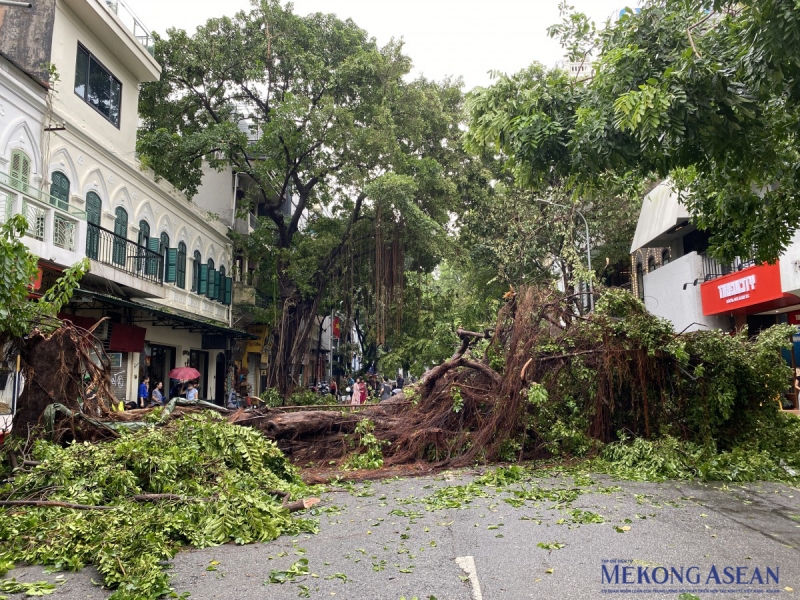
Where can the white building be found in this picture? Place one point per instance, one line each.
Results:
(679, 281)
(160, 267)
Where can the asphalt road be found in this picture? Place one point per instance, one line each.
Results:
(395, 539)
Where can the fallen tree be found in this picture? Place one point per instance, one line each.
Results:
(543, 381)
(547, 381)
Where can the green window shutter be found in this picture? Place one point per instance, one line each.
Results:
(154, 246)
(181, 266)
(20, 171)
(228, 290)
(171, 274)
(202, 285)
(212, 275)
(59, 190)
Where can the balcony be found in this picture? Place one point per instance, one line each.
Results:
(56, 230)
(108, 248)
(132, 23)
(712, 268)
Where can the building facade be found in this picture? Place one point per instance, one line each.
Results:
(160, 266)
(695, 291)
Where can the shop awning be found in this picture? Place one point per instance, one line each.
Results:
(158, 316)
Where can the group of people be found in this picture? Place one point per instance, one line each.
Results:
(154, 396)
(382, 390)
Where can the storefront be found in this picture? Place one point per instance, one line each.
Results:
(756, 296)
(145, 341)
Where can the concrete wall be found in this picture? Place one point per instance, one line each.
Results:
(215, 193)
(26, 36)
(68, 31)
(790, 267)
(665, 297)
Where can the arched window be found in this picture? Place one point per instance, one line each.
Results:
(120, 236)
(59, 190)
(221, 285)
(651, 264)
(181, 278)
(144, 233)
(143, 241)
(665, 257)
(211, 292)
(640, 281)
(94, 207)
(20, 171)
(196, 271)
(163, 246)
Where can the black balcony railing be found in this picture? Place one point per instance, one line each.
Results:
(712, 268)
(111, 249)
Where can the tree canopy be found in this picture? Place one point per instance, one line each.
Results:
(320, 119)
(704, 92)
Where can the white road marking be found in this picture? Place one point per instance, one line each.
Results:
(467, 564)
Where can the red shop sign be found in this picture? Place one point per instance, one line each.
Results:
(749, 286)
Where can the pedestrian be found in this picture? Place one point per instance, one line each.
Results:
(191, 391)
(334, 389)
(178, 389)
(355, 394)
(362, 398)
(157, 396)
(386, 389)
(400, 381)
(144, 393)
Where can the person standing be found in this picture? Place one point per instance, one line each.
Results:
(386, 389)
(400, 382)
(191, 392)
(144, 393)
(157, 396)
(362, 398)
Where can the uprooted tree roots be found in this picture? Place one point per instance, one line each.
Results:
(545, 380)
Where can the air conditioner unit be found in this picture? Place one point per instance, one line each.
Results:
(101, 331)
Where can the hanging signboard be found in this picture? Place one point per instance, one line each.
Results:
(747, 287)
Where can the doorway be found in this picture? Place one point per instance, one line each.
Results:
(199, 360)
(219, 387)
(156, 362)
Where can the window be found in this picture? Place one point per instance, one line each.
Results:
(665, 257)
(639, 281)
(59, 190)
(143, 241)
(20, 171)
(120, 236)
(163, 247)
(211, 292)
(651, 264)
(181, 276)
(221, 285)
(196, 271)
(97, 86)
(93, 210)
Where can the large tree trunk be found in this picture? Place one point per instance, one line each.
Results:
(290, 336)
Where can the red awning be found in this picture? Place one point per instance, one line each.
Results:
(126, 338)
(85, 322)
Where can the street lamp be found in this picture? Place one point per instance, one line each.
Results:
(588, 248)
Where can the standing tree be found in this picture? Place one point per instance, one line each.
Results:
(333, 136)
(703, 91)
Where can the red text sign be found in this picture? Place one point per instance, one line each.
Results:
(753, 285)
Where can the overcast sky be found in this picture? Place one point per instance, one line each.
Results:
(443, 37)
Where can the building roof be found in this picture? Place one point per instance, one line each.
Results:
(660, 219)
